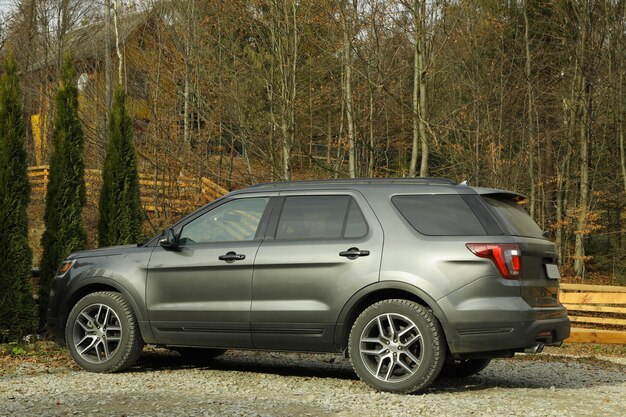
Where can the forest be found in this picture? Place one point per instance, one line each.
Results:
(526, 95)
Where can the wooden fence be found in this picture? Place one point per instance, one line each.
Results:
(595, 306)
(180, 194)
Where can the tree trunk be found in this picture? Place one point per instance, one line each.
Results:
(529, 120)
(284, 52)
(584, 114)
(419, 93)
(422, 118)
(293, 90)
(108, 68)
(621, 128)
(120, 58)
(371, 155)
(583, 203)
(186, 93)
(348, 99)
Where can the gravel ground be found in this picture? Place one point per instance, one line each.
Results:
(280, 384)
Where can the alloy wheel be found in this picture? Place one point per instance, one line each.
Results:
(391, 347)
(97, 333)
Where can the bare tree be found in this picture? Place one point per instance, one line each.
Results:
(347, 17)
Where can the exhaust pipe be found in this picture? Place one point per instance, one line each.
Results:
(536, 347)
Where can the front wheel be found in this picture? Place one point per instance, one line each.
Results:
(102, 333)
(397, 346)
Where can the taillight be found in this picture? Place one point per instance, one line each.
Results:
(506, 256)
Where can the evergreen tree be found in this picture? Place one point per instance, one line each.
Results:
(121, 215)
(65, 196)
(17, 307)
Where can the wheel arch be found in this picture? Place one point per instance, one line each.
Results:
(96, 284)
(373, 293)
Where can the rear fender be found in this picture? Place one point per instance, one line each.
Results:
(376, 292)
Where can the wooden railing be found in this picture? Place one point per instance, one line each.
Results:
(595, 306)
(180, 194)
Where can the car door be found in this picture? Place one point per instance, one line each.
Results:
(199, 292)
(319, 250)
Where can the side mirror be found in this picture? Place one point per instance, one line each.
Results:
(169, 241)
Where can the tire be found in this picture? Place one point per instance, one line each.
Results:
(102, 333)
(405, 360)
(199, 355)
(463, 368)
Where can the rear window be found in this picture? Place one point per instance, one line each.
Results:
(439, 215)
(514, 217)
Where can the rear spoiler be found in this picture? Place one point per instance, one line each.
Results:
(503, 194)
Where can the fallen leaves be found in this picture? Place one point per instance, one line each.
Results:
(33, 358)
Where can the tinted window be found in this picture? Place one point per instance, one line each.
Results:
(439, 215)
(514, 217)
(320, 217)
(356, 226)
(235, 220)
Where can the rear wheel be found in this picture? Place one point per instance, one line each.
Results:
(463, 368)
(397, 346)
(102, 333)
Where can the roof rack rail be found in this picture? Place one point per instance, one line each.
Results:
(415, 181)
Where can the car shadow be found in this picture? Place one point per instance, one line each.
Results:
(537, 373)
(285, 364)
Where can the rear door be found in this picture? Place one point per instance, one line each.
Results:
(319, 250)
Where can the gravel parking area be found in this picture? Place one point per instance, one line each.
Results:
(279, 384)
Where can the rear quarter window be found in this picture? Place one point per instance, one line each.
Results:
(513, 217)
(439, 215)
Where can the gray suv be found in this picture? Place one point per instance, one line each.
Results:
(409, 278)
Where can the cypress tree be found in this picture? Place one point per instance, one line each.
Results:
(65, 197)
(121, 215)
(17, 307)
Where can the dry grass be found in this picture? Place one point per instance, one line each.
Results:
(34, 357)
(588, 349)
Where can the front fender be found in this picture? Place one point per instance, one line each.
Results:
(81, 288)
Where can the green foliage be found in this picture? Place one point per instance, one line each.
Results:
(121, 215)
(17, 307)
(17, 350)
(65, 196)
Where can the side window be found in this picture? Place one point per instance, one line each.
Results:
(235, 220)
(439, 215)
(320, 217)
(356, 226)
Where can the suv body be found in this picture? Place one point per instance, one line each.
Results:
(326, 266)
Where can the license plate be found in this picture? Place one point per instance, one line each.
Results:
(552, 271)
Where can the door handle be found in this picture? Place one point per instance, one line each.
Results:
(354, 253)
(232, 257)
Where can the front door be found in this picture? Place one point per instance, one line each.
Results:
(199, 293)
(318, 252)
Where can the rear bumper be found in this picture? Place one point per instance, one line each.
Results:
(496, 317)
(505, 337)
